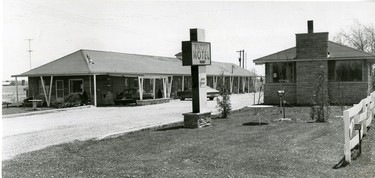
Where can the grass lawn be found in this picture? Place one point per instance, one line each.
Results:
(19, 110)
(230, 148)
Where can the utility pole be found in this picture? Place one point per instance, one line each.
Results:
(29, 50)
(241, 59)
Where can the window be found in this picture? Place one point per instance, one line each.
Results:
(281, 72)
(59, 89)
(76, 86)
(345, 70)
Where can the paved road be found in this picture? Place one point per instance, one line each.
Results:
(34, 132)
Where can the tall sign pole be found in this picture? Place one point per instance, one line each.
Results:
(197, 54)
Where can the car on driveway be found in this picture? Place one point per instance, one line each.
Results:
(211, 93)
(131, 96)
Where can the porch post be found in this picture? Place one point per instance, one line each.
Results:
(153, 86)
(214, 79)
(243, 84)
(248, 84)
(369, 80)
(170, 86)
(231, 84)
(164, 88)
(90, 84)
(183, 83)
(17, 91)
(50, 91)
(238, 84)
(44, 89)
(95, 97)
(140, 88)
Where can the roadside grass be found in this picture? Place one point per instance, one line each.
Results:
(19, 110)
(233, 147)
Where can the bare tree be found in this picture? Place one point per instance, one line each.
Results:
(358, 36)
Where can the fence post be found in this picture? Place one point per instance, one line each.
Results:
(346, 136)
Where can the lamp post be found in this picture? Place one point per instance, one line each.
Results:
(281, 95)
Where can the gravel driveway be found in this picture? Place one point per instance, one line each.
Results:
(28, 133)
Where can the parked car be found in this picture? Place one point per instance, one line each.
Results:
(211, 93)
(131, 96)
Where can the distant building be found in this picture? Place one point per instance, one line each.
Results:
(6, 83)
(294, 70)
(108, 74)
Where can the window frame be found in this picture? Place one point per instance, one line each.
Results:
(82, 88)
(292, 70)
(334, 78)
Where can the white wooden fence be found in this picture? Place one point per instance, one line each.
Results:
(361, 113)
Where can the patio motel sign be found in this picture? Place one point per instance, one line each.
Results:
(197, 54)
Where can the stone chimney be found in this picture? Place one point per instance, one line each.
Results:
(311, 45)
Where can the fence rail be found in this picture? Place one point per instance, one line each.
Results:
(361, 113)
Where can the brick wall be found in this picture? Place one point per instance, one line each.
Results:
(307, 72)
(270, 93)
(350, 92)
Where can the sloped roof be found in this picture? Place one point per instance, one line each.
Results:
(88, 62)
(336, 52)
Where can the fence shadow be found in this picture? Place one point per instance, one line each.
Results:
(342, 163)
(255, 124)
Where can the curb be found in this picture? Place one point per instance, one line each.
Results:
(43, 112)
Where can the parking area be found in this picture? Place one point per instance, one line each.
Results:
(32, 132)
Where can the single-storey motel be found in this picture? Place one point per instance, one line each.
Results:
(104, 75)
(348, 71)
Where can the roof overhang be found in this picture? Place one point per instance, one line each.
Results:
(263, 61)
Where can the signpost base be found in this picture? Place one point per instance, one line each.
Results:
(197, 120)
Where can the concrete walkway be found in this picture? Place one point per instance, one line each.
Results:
(33, 132)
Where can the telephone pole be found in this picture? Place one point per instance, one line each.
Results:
(29, 50)
(241, 59)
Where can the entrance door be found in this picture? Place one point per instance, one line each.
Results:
(59, 89)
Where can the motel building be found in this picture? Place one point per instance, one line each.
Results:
(348, 72)
(103, 76)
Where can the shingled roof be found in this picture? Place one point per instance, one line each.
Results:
(89, 62)
(336, 52)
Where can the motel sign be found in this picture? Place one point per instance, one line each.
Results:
(196, 53)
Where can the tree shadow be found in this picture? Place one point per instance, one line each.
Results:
(255, 123)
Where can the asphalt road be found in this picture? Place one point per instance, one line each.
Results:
(33, 132)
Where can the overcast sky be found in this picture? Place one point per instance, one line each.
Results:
(59, 28)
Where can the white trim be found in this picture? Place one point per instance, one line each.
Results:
(95, 97)
(17, 99)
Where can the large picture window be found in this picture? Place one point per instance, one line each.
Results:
(76, 86)
(281, 72)
(343, 71)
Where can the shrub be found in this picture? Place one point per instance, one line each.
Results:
(224, 106)
(320, 101)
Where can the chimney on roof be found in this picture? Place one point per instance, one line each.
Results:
(311, 45)
(310, 26)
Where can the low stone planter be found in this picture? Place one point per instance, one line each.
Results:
(152, 101)
(197, 120)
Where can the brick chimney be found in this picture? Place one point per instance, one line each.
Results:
(311, 45)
